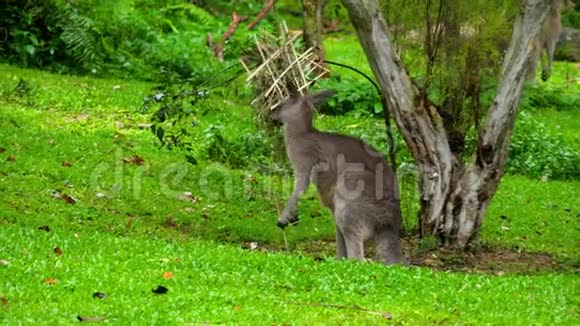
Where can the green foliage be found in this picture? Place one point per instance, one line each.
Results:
(571, 17)
(351, 94)
(240, 150)
(29, 42)
(538, 152)
(127, 38)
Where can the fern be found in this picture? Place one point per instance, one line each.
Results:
(82, 39)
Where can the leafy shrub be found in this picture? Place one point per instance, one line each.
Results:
(121, 38)
(571, 18)
(352, 95)
(28, 41)
(537, 152)
(237, 150)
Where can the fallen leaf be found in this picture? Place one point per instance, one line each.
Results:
(188, 196)
(130, 219)
(52, 141)
(135, 159)
(118, 135)
(66, 164)
(2, 149)
(57, 251)
(4, 262)
(50, 281)
(11, 158)
(81, 117)
(387, 316)
(160, 290)
(170, 222)
(45, 228)
(237, 308)
(4, 302)
(91, 318)
(168, 275)
(428, 261)
(66, 198)
(99, 295)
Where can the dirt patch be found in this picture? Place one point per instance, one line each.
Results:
(479, 259)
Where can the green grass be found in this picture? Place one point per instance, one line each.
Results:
(224, 284)
(129, 226)
(536, 216)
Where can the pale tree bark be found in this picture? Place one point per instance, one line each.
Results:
(454, 196)
(312, 10)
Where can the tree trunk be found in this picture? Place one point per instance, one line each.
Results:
(313, 26)
(454, 196)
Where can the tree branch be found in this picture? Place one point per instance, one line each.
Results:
(236, 20)
(419, 122)
(261, 15)
(495, 137)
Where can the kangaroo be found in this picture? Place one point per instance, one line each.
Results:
(353, 181)
(548, 39)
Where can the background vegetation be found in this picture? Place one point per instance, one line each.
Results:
(83, 171)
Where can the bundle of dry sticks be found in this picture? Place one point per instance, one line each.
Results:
(281, 70)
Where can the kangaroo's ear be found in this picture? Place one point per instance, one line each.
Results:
(321, 97)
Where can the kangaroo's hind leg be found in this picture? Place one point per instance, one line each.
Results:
(340, 245)
(349, 230)
(388, 245)
(354, 246)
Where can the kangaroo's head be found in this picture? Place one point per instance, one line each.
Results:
(297, 110)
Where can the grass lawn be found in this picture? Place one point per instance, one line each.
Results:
(79, 172)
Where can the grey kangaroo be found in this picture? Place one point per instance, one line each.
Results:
(548, 38)
(352, 179)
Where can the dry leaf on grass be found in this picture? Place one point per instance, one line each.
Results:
(66, 198)
(99, 295)
(168, 275)
(160, 290)
(44, 228)
(58, 251)
(91, 318)
(135, 159)
(50, 281)
(188, 196)
(2, 149)
(11, 158)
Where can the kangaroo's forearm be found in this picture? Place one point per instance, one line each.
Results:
(300, 184)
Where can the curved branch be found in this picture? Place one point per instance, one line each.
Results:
(261, 15)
